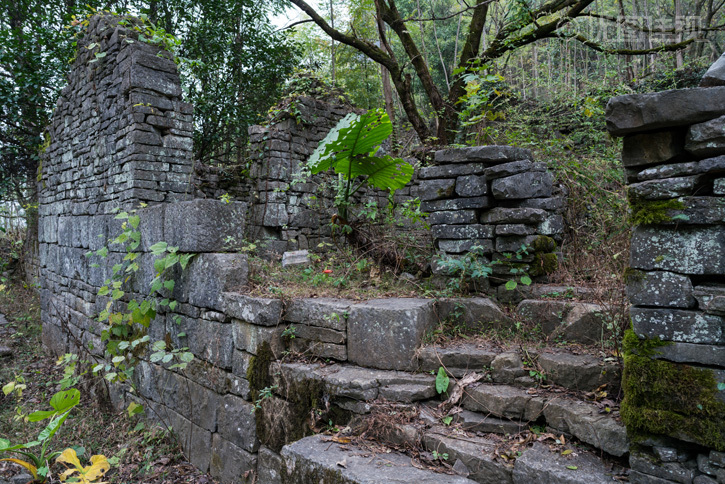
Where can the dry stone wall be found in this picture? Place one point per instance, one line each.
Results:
(497, 199)
(674, 157)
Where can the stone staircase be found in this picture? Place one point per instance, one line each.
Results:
(487, 438)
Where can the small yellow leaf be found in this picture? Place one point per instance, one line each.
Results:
(567, 452)
(69, 456)
(99, 466)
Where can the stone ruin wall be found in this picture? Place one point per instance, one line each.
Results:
(674, 380)
(494, 198)
(121, 136)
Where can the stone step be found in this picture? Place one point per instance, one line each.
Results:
(537, 465)
(358, 383)
(319, 460)
(579, 372)
(562, 414)
(488, 407)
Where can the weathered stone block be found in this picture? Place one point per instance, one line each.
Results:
(209, 340)
(503, 401)
(580, 372)
(584, 421)
(670, 171)
(513, 243)
(532, 184)
(515, 229)
(476, 455)
(271, 214)
(500, 215)
(450, 171)
(435, 189)
(671, 471)
(209, 275)
(508, 169)
(677, 325)
(459, 246)
(269, 466)
(250, 337)
(385, 333)
(453, 217)
(462, 231)
(455, 204)
(312, 459)
(707, 139)
(236, 423)
(715, 75)
(664, 189)
(718, 186)
(229, 463)
(647, 112)
(475, 312)
(471, 186)
(295, 257)
(685, 250)
(659, 288)
(651, 148)
(491, 154)
(204, 225)
(253, 310)
(322, 312)
(539, 464)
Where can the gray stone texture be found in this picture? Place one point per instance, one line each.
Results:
(484, 154)
(204, 225)
(707, 139)
(542, 466)
(678, 325)
(651, 148)
(385, 333)
(532, 184)
(660, 288)
(684, 250)
(312, 459)
(715, 75)
(634, 113)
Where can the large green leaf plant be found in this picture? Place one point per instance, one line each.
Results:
(350, 148)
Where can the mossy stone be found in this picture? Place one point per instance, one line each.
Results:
(543, 264)
(650, 212)
(543, 243)
(665, 398)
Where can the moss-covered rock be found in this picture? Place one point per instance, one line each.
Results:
(665, 398)
(543, 264)
(543, 244)
(650, 212)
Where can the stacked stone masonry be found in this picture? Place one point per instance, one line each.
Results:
(496, 199)
(121, 136)
(674, 157)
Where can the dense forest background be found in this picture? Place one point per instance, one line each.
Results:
(527, 72)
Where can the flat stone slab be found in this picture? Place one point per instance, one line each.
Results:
(458, 359)
(315, 459)
(295, 258)
(634, 113)
(358, 383)
(584, 421)
(580, 372)
(476, 453)
(539, 465)
(503, 401)
(491, 154)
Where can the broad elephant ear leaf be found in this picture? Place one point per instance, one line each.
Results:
(384, 173)
(349, 149)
